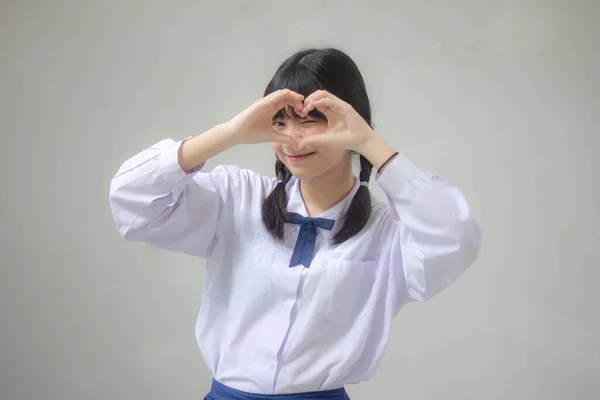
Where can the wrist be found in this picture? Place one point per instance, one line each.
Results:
(200, 148)
(376, 150)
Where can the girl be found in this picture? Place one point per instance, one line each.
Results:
(305, 271)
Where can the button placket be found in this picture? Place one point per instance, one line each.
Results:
(281, 321)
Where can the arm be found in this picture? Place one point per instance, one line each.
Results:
(434, 238)
(160, 197)
(150, 194)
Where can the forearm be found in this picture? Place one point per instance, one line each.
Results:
(199, 149)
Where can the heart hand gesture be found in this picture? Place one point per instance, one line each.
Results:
(346, 129)
(254, 124)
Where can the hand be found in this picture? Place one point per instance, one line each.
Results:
(255, 123)
(345, 127)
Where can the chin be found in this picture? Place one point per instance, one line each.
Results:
(302, 173)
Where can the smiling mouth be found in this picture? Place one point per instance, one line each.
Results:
(300, 157)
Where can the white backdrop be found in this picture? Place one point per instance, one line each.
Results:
(498, 97)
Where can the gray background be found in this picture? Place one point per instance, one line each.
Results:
(498, 97)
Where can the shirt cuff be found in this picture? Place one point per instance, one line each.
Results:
(397, 172)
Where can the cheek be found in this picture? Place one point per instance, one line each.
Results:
(278, 148)
(331, 156)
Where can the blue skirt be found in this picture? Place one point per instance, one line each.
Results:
(219, 391)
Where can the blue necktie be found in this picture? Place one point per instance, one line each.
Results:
(305, 244)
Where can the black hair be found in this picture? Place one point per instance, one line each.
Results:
(306, 72)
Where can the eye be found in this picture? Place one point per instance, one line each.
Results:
(308, 121)
(278, 124)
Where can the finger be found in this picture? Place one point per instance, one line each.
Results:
(285, 97)
(320, 94)
(317, 140)
(309, 99)
(299, 107)
(329, 107)
(284, 93)
(294, 104)
(308, 107)
(325, 103)
(285, 139)
(317, 94)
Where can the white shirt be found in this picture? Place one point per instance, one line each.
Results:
(264, 327)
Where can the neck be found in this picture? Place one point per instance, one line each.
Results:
(323, 192)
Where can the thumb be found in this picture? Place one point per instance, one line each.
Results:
(314, 140)
(286, 140)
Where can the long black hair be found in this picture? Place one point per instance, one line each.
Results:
(305, 72)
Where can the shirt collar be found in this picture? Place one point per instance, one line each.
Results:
(296, 204)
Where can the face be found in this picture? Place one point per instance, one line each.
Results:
(307, 163)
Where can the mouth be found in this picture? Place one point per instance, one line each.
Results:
(301, 157)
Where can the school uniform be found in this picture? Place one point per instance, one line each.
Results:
(302, 315)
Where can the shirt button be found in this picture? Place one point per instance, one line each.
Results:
(271, 364)
(286, 310)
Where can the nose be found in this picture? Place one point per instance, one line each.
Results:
(296, 132)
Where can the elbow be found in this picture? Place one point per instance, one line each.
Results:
(458, 257)
(439, 266)
(123, 224)
(126, 227)
(445, 243)
(129, 234)
(463, 239)
(123, 218)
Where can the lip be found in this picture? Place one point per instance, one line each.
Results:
(301, 157)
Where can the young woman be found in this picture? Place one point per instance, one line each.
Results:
(305, 271)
